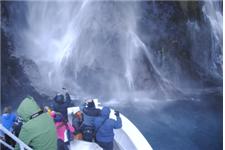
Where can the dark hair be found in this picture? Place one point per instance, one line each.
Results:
(91, 104)
(7, 109)
(59, 98)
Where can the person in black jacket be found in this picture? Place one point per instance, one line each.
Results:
(61, 105)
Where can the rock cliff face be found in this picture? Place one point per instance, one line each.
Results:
(15, 85)
(182, 38)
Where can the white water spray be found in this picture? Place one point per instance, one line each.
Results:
(68, 40)
(93, 49)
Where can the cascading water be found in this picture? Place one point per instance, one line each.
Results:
(210, 58)
(161, 59)
(213, 13)
(71, 40)
(91, 48)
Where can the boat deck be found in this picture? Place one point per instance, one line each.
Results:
(126, 138)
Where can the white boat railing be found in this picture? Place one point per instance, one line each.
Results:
(6, 144)
(22, 145)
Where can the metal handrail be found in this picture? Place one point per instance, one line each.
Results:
(21, 143)
(6, 144)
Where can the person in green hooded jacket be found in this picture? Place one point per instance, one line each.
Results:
(38, 130)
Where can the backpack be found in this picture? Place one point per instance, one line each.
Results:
(88, 133)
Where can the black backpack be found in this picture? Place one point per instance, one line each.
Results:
(88, 133)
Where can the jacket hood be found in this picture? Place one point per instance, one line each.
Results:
(91, 104)
(59, 98)
(27, 108)
(105, 112)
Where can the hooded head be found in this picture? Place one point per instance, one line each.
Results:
(27, 108)
(59, 98)
(91, 104)
(52, 114)
(105, 112)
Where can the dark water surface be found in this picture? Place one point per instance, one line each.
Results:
(182, 124)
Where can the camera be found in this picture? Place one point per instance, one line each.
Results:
(117, 113)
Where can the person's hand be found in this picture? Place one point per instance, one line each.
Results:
(65, 89)
(117, 113)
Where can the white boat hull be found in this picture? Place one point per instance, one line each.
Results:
(126, 138)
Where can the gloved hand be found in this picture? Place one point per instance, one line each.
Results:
(117, 113)
(88, 100)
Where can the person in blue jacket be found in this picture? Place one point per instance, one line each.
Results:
(8, 119)
(90, 112)
(104, 128)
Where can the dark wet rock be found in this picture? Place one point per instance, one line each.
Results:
(15, 85)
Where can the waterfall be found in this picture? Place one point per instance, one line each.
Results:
(116, 49)
(207, 39)
(85, 46)
(213, 13)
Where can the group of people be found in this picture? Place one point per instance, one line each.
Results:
(97, 125)
(49, 128)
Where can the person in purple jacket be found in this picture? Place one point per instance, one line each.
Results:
(104, 128)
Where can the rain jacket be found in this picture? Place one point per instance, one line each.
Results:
(7, 120)
(104, 126)
(89, 114)
(61, 106)
(77, 120)
(61, 128)
(38, 132)
(60, 125)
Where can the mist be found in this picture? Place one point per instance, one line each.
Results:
(98, 49)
